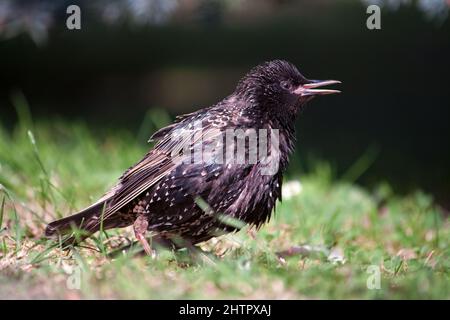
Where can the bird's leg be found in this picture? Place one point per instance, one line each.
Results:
(140, 229)
(251, 233)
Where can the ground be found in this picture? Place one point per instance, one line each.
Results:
(345, 241)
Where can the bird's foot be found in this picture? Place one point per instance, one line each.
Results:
(147, 248)
(140, 229)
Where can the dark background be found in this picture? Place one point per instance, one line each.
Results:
(178, 56)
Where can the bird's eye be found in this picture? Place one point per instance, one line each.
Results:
(286, 85)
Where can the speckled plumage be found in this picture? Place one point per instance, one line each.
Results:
(162, 195)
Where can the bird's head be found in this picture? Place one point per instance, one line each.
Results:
(278, 86)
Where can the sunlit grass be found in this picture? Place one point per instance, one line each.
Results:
(50, 169)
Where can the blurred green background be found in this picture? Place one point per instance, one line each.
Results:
(134, 64)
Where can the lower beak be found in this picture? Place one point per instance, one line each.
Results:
(309, 89)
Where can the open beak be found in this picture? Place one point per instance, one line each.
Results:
(309, 89)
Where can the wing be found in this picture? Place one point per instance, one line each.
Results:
(162, 159)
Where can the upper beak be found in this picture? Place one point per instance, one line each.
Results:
(308, 89)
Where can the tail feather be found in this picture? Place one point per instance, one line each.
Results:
(85, 221)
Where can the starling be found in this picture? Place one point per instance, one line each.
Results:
(183, 191)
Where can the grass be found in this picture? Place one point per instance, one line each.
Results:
(344, 232)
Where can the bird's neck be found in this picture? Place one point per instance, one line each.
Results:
(285, 131)
(286, 140)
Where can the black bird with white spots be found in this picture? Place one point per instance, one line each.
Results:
(183, 202)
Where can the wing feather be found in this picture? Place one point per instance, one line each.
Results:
(156, 165)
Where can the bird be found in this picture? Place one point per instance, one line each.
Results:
(182, 201)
